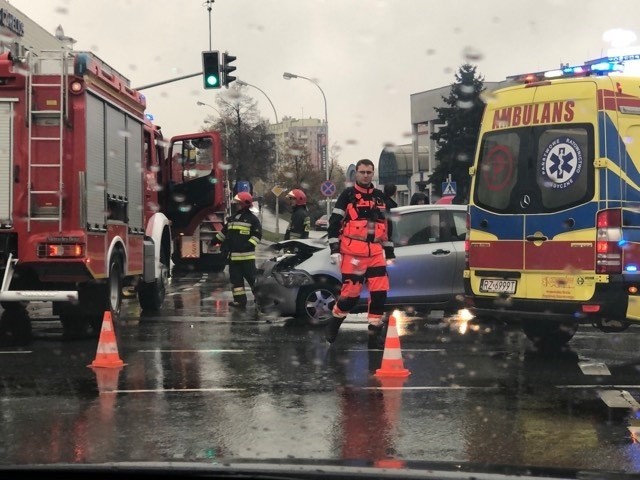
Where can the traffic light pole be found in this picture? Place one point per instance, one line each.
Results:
(164, 82)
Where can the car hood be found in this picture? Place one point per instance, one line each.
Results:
(314, 469)
(303, 245)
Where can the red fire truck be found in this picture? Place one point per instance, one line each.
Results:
(92, 198)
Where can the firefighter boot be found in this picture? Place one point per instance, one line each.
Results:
(239, 306)
(377, 336)
(332, 328)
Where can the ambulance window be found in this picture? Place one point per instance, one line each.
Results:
(497, 170)
(562, 174)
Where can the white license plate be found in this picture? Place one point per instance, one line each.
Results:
(488, 285)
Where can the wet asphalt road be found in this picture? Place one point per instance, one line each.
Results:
(201, 383)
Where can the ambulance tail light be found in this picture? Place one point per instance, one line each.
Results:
(466, 242)
(609, 241)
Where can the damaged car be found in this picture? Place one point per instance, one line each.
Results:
(300, 281)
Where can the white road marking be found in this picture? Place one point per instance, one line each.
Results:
(618, 399)
(192, 351)
(594, 368)
(176, 390)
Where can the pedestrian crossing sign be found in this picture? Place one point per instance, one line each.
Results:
(448, 188)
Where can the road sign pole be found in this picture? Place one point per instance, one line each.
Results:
(277, 191)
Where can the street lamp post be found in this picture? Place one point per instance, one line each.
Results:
(289, 76)
(226, 143)
(275, 113)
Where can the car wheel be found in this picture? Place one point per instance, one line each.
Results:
(315, 302)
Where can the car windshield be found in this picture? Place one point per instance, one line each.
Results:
(320, 238)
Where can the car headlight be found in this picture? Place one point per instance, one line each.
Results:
(293, 278)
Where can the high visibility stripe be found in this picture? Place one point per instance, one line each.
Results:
(254, 240)
(240, 224)
(243, 230)
(242, 256)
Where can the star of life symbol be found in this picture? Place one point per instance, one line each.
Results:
(561, 162)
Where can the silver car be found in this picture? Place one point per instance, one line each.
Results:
(300, 281)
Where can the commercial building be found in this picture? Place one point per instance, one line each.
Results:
(409, 166)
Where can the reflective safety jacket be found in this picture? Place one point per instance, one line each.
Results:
(359, 223)
(300, 223)
(240, 235)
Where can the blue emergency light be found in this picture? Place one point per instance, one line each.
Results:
(601, 66)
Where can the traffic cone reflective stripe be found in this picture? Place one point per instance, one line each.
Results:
(392, 364)
(107, 352)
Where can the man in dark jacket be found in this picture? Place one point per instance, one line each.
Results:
(300, 223)
(360, 241)
(239, 237)
(390, 190)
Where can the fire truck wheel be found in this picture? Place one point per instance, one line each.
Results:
(97, 299)
(151, 295)
(14, 305)
(15, 328)
(114, 288)
(74, 322)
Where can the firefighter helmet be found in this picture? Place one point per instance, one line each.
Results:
(244, 198)
(298, 195)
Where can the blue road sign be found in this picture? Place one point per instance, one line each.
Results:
(448, 188)
(328, 188)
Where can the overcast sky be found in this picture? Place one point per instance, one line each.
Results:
(368, 56)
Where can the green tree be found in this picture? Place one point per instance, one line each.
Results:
(457, 138)
(294, 169)
(245, 135)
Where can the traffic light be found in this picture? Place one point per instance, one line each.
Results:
(227, 68)
(211, 69)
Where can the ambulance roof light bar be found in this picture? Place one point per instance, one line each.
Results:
(601, 66)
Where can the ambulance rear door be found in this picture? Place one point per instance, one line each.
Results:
(533, 215)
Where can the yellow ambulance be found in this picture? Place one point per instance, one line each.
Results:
(554, 208)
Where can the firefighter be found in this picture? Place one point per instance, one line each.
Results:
(239, 238)
(300, 220)
(359, 238)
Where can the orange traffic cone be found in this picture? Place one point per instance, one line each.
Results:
(107, 353)
(392, 364)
